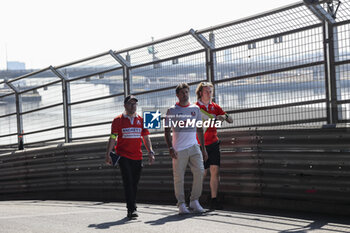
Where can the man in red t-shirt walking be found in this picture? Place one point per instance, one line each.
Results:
(211, 110)
(128, 129)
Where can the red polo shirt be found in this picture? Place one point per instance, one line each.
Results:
(129, 134)
(210, 136)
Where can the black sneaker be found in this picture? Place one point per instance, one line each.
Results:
(215, 205)
(132, 214)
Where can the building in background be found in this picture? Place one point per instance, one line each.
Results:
(16, 65)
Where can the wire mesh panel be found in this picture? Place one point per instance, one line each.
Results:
(160, 100)
(344, 112)
(96, 86)
(343, 91)
(343, 82)
(7, 105)
(84, 133)
(8, 141)
(342, 44)
(87, 67)
(95, 112)
(162, 50)
(8, 119)
(293, 86)
(8, 126)
(305, 115)
(292, 18)
(170, 73)
(56, 136)
(290, 50)
(41, 120)
(34, 99)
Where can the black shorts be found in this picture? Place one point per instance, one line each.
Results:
(213, 151)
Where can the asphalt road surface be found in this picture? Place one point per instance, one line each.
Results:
(71, 216)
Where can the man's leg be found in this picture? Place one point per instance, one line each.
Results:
(205, 173)
(179, 168)
(214, 180)
(136, 168)
(214, 154)
(127, 176)
(197, 168)
(206, 163)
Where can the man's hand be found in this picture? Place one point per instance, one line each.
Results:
(110, 145)
(108, 160)
(221, 117)
(205, 155)
(173, 153)
(151, 157)
(225, 117)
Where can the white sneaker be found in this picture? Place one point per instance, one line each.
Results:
(183, 209)
(196, 207)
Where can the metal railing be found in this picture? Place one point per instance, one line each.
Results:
(286, 67)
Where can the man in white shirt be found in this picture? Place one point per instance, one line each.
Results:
(184, 148)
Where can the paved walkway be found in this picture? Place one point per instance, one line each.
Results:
(72, 216)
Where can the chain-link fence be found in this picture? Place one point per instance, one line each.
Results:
(289, 66)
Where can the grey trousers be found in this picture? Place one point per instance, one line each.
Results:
(193, 157)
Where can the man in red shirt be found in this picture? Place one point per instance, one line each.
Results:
(128, 129)
(211, 110)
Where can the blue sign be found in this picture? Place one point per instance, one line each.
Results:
(151, 120)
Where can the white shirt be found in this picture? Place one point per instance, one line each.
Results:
(183, 137)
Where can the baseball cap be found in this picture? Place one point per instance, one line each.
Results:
(130, 97)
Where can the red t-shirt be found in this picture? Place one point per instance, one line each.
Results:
(211, 135)
(129, 136)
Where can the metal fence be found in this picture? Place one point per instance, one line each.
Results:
(289, 66)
